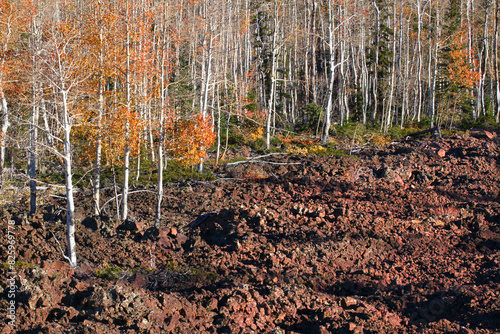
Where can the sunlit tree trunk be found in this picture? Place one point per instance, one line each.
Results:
(33, 152)
(495, 66)
(207, 77)
(389, 115)
(161, 120)
(375, 78)
(100, 111)
(5, 128)
(126, 154)
(272, 88)
(480, 107)
(331, 76)
(68, 176)
(420, 11)
(365, 81)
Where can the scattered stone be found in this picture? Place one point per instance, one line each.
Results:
(334, 245)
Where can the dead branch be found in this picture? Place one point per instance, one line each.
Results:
(201, 219)
(255, 160)
(60, 248)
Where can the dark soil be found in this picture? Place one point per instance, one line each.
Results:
(401, 239)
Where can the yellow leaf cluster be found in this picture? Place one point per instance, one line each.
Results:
(316, 149)
(297, 150)
(257, 134)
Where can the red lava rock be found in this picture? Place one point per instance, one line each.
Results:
(87, 323)
(330, 312)
(212, 305)
(181, 238)
(312, 250)
(81, 286)
(164, 238)
(139, 226)
(349, 302)
(7, 329)
(442, 153)
(323, 330)
(490, 135)
(72, 312)
(140, 281)
(393, 319)
(57, 268)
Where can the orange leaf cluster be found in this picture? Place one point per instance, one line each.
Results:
(463, 69)
(188, 139)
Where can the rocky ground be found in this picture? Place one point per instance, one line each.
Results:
(401, 239)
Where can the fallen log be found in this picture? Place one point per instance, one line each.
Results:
(481, 133)
(418, 133)
(200, 219)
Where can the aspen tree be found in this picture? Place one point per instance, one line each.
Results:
(495, 66)
(164, 77)
(65, 66)
(331, 44)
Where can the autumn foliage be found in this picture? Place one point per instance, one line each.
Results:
(188, 138)
(463, 67)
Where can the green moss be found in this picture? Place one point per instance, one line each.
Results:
(143, 270)
(204, 275)
(172, 266)
(109, 273)
(20, 264)
(211, 276)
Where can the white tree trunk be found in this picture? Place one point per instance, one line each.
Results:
(331, 78)
(126, 154)
(271, 100)
(5, 128)
(68, 175)
(207, 77)
(33, 153)
(98, 150)
(163, 104)
(495, 66)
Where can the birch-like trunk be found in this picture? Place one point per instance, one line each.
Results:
(5, 128)
(388, 122)
(126, 154)
(331, 78)
(161, 130)
(68, 176)
(98, 150)
(32, 154)
(365, 81)
(376, 65)
(4, 104)
(205, 86)
(420, 11)
(272, 89)
(482, 64)
(433, 71)
(495, 66)
(344, 103)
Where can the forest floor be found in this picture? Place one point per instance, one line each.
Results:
(398, 239)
